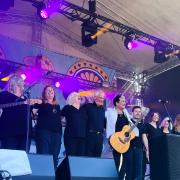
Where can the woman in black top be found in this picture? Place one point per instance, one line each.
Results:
(151, 131)
(75, 131)
(166, 126)
(49, 128)
(176, 128)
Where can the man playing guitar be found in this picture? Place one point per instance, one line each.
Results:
(117, 118)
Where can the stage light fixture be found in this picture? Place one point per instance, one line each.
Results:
(44, 14)
(87, 31)
(57, 84)
(23, 76)
(42, 10)
(162, 52)
(128, 42)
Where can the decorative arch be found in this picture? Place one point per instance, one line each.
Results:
(88, 71)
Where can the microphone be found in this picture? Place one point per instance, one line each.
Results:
(163, 101)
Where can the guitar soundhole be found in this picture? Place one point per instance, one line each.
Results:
(126, 134)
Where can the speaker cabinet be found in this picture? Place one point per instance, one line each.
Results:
(165, 157)
(86, 168)
(42, 168)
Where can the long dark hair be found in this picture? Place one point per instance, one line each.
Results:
(151, 116)
(44, 96)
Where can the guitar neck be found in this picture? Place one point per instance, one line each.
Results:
(11, 104)
(133, 126)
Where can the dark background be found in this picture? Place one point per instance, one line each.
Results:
(165, 86)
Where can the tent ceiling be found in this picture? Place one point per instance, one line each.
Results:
(159, 18)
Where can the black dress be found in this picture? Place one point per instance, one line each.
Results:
(75, 131)
(49, 130)
(152, 133)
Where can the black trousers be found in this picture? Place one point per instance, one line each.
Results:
(127, 164)
(17, 142)
(74, 146)
(117, 157)
(94, 144)
(48, 142)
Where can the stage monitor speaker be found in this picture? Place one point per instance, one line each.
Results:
(165, 157)
(86, 168)
(42, 167)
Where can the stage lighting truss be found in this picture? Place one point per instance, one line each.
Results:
(77, 13)
(14, 66)
(162, 52)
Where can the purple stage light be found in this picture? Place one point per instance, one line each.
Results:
(23, 76)
(44, 14)
(57, 84)
(46, 10)
(130, 45)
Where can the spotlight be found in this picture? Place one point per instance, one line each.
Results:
(57, 84)
(87, 31)
(23, 76)
(162, 52)
(128, 43)
(41, 10)
(46, 10)
(44, 14)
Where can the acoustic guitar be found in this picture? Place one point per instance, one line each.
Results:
(120, 141)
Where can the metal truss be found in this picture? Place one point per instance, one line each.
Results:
(51, 75)
(75, 12)
(50, 28)
(159, 69)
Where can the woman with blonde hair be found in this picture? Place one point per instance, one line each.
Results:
(176, 128)
(166, 125)
(49, 128)
(75, 130)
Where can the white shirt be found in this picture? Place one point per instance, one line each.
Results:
(111, 116)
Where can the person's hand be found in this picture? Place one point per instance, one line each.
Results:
(35, 101)
(127, 139)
